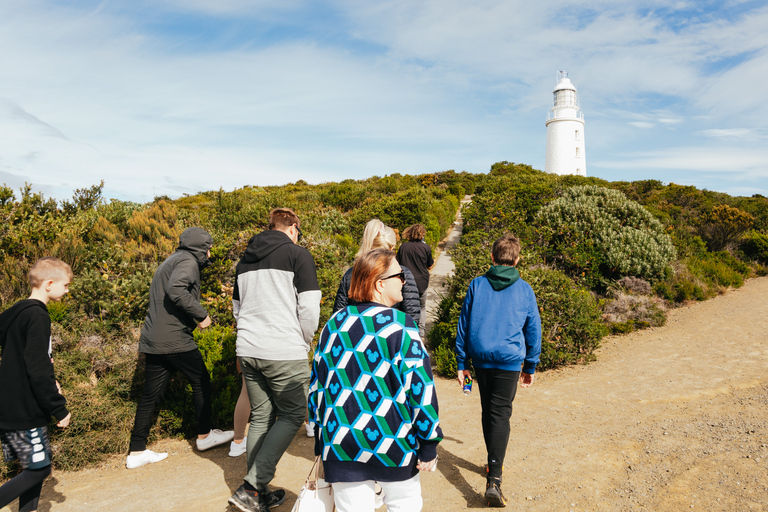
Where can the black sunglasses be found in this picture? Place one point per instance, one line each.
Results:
(298, 229)
(399, 275)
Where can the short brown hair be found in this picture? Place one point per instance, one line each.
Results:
(415, 233)
(281, 218)
(368, 269)
(506, 250)
(48, 268)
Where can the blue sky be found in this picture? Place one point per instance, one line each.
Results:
(180, 96)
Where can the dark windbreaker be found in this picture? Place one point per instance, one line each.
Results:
(174, 297)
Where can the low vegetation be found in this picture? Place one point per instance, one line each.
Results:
(602, 257)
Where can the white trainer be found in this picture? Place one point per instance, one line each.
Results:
(144, 458)
(237, 449)
(215, 438)
(310, 429)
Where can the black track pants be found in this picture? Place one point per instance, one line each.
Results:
(497, 391)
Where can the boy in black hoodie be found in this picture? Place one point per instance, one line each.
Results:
(26, 368)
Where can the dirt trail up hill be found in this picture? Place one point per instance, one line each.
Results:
(667, 419)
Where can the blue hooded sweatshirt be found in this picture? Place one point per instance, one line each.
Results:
(499, 326)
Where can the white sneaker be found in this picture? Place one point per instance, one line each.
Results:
(310, 429)
(144, 458)
(237, 449)
(215, 438)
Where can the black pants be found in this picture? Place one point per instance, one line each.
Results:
(497, 391)
(26, 486)
(158, 372)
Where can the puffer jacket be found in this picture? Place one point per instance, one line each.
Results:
(174, 297)
(410, 303)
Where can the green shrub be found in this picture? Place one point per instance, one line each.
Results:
(597, 234)
(755, 246)
(570, 318)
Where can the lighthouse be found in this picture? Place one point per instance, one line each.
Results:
(565, 131)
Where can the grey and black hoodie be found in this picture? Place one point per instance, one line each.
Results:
(174, 297)
(276, 300)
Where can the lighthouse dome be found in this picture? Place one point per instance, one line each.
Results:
(564, 84)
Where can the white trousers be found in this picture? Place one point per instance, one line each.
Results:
(402, 496)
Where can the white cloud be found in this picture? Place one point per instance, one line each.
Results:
(97, 92)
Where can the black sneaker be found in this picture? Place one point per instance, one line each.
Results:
(273, 499)
(493, 495)
(248, 501)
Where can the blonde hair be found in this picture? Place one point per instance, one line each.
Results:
(376, 236)
(48, 268)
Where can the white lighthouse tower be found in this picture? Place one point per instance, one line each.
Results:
(565, 131)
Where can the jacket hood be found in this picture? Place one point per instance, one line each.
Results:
(502, 276)
(9, 315)
(260, 246)
(197, 241)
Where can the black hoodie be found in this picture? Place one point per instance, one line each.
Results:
(174, 297)
(28, 394)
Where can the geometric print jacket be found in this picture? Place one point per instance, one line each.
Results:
(372, 395)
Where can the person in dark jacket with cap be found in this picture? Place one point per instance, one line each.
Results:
(169, 346)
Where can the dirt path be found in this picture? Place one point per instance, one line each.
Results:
(667, 419)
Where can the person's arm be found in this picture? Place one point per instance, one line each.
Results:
(40, 369)
(236, 298)
(532, 334)
(430, 260)
(308, 294)
(422, 398)
(186, 274)
(410, 303)
(462, 333)
(341, 300)
(313, 396)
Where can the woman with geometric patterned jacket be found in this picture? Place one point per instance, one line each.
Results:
(372, 396)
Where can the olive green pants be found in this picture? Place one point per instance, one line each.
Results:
(277, 391)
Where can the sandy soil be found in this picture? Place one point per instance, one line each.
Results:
(667, 419)
(671, 418)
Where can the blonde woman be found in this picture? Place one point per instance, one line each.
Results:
(377, 235)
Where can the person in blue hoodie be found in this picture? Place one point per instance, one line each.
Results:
(499, 335)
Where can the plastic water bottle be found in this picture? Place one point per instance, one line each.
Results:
(467, 385)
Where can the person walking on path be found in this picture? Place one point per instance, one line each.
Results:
(31, 394)
(276, 303)
(416, 256)
(377, 235)
(372, 394)
(499, 332)
(169, 346)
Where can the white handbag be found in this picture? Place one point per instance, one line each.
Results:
(316, 495)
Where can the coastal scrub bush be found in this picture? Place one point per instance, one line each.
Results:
(723, 225)
(755, 246)
(597, 234)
